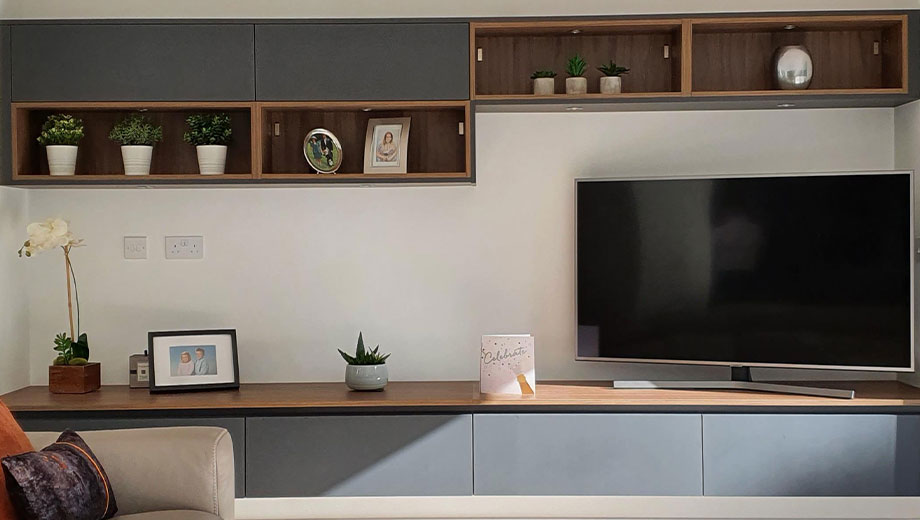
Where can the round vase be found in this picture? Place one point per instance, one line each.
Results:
(611, 84)
(544, 86)
(366, 377)
(211, 158)
(792, 67)
(576, 86)
(62, 159)
(136, 159)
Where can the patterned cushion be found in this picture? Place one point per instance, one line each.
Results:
(12, 442)
(63, 481)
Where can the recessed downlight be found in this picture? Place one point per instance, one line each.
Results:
(575, 31)
(789, 27)
(574, 109)
(366, 109)
(785, 105)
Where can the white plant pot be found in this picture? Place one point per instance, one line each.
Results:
(136, 159)
(62, 159)
(544, 86)
(576, 86)
(611, 84)
(211, 159)
(366, 377)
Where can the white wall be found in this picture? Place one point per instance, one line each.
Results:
(25, 9)
(907, 157)
(14, 317)
(424, 271)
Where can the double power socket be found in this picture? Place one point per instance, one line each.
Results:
(176, 247)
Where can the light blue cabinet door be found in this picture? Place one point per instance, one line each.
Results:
(811, 455)
(587, 454)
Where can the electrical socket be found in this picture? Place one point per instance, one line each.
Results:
(135, 248)
(185, 248)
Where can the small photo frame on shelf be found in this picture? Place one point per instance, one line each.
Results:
(322, 150)
(386, 145)
(190, 360)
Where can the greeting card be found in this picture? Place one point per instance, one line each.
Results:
(507, 365)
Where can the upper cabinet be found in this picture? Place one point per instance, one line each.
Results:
(133, 62)
(362, 61)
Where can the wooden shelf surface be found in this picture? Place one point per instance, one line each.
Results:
(462, 395)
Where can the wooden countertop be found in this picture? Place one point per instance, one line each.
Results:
(452, 395)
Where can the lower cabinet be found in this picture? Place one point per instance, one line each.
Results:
(359, 455)
(235, 425)
(811, 455)
(587, 454)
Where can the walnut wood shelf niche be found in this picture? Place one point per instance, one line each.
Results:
(267, 142)
(705, 57)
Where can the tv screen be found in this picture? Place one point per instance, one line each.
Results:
(804, 270)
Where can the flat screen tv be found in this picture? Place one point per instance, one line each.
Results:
(806, 270)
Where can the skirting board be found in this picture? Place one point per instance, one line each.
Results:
(620, 508)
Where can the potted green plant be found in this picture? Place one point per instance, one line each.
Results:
(544, 82)
(611, 83)
(210, 135)
(137, 135)
(71, 372)
(61, 135)
(367, 369)
(576, 83)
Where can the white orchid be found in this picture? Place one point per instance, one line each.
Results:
(50, 234)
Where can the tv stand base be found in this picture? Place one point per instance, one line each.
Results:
(741, 380)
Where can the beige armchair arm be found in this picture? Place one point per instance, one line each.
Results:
(157, 469)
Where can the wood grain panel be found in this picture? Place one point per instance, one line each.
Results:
(451, 394)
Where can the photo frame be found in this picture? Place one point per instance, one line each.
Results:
(386, 145)
(322, 150)
(193, 360)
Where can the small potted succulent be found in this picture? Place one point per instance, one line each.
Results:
(210, 135)
(71, 372)
(137, 135)
(367, 369)
(611, 83)
(544, 82)
(576, 83)
(61, 135)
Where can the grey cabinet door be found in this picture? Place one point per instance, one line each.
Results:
(359, 455)
(587, 454)
(811, 455)
(133, 62)
(362, 61)
(235, 425)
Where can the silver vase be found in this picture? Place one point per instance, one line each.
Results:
(792, 67)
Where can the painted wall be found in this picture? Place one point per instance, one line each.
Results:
(29, 9)
(424, 271)
(14, 316)
(907, 157)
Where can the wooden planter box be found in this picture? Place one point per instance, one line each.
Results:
(74, 379)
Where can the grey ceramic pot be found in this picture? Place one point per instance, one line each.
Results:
(366, 377)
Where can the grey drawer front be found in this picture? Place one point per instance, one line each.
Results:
(362, 61)
(587, 454)
(359, 456)
(811, 455)
(213, 62)
(236, 427)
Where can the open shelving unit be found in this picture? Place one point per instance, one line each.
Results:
(99, 158)
(439, 138)
(691, 57)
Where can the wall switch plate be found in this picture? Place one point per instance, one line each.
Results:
(135, 248)
(185, 248)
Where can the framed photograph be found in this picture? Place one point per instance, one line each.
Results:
(322, 150)
(186, 360)
(386, 145)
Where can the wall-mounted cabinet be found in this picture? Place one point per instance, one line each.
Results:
(853, 55)
(99, 158)
(133, 62)
(362, 61)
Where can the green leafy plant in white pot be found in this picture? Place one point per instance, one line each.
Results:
(367, 369)
(576, 83)
(210, 135)
(611, 83)
(61, 135)
(544, 82)
(137, 135)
